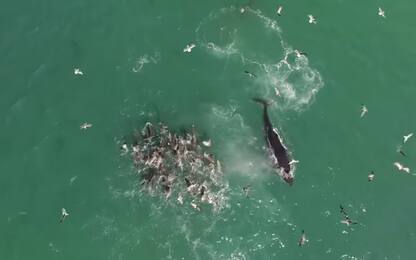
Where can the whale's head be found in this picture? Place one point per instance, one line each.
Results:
(288, 176)
(289, 180)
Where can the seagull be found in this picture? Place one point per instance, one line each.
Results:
(401, 167)
(246, 190)
(277, 92)
(125, 148)
(189, 47)
(180, 199)
(371, 176)
(406, 137)
(78, 72)
(311, 19)
(71, 181)
(303, 239)
(85, 126)
(293, 162)
(300, 53)
(347, 221)
(195, 206)
(207, 143)
(364, 110)
(64, 215)
(381, 12)
(279, 10)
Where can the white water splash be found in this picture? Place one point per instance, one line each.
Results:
(145, 59)
(221, 52)
(289, 80)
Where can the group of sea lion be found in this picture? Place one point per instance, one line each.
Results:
(177, 164)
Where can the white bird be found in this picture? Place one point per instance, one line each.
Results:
(78, 72)
(64, 215)
(279, 10)
(348, 221)
(85, 126)
(300, 53)
(293, 162)
(406, 137)
(219, 168)
(277, 92)
(180, 199)
(401, 167)
(246, 189)
(71, 181)
(303, 239)
(364, 110)
(311, 19)
(381, 12)
(207, 143)
(371, 176)
(195, 206)
(125, 148)
(189, 47)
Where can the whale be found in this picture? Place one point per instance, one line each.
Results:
(279, 151)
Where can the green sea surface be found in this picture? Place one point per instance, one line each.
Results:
(135, 70)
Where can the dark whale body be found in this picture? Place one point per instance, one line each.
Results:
(274, 142)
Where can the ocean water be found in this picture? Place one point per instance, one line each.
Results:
(135, 70)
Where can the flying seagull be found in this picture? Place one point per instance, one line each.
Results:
(364, 110)
(207, 143)
(401, 167)
(311, 19)
(78, 72)
(276, 91)
(85, 126)
(381, 12)
(195, 206)
(64, 215)
(246, 190)
(347, 221)
(279, 10)
(303, 239)
(124, 148)
(300, 53)
(371, 176)
(293, 162)
(189, 47)
(406, 137)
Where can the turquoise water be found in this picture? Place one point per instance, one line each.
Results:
(135, 70)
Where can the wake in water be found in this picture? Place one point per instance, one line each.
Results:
(290, 80)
